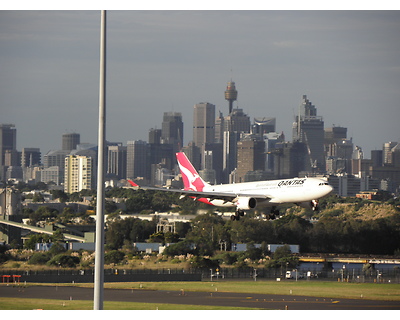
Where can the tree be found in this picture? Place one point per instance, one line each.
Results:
(64, 260)
(252, 252)
(59, 194)
(36, 238)
(114, 256)
(38, 197)
(283, 257)
(183, 247)
(39, 258)
(139, 201)
(205, 233)
(43, 213)
(131, 229)
(3, 255)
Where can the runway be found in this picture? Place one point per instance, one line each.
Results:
(245, 300)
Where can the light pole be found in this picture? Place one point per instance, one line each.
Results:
(99, 249)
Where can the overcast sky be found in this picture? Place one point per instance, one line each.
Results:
(346, 62)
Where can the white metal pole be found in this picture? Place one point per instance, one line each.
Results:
(99, 253)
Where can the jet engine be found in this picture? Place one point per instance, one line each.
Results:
(246, 203)
(313, 204)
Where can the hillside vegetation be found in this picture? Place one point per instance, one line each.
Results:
(342, 226)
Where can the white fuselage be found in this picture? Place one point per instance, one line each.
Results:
(274, 192)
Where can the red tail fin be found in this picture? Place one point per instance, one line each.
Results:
(133, 184)
(190, 177)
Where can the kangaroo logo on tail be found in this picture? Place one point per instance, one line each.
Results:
(191, 179)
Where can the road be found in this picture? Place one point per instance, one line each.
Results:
(245, 300)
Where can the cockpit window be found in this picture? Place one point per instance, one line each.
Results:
(324, 184)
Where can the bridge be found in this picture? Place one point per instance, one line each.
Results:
(41, 230)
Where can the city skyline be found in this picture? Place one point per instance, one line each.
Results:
(346, 62)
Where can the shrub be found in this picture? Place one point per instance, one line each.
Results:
(39, 258)
(184, 247)
(201, 262)
(64, 260)
(114, 256)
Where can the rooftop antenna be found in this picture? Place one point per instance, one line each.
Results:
(99, 248)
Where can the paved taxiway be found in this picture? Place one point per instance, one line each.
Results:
(245, 300)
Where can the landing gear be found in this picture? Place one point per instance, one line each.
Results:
(237, 215)
(273, 214)
(314, 205)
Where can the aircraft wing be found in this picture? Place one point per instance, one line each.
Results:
(228, 197)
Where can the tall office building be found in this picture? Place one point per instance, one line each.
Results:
(78, 173)
(137, 163)
(116, 161)
(270, 140)
(231, 94)
(229, 154)
(8, 142)
(219, 128)
(290, 159)
(56, 158)
(211, 159)
(155, 136)
(309, 129)
(193, 153)
(30, 157)
(387, 151)
(335, 134)
(70, 141)
(203, 124)
(237, 121)
(377, 158)
(250, 158)
(263, 125)
(172, 130)
(52, 175)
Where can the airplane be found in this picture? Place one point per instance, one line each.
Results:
(245, 196)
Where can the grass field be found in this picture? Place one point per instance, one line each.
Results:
(50, 304)
(326, 289)
(371, 291)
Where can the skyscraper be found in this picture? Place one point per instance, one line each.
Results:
(70, 141)
(117, 161)
(270, 140)
(229, 154)
(231, 94)
(154, 136)
(172, 130)
(138, 164)
(78, 173)
(30, 157)
(290, 159)
(335, 134)
(193, 153)
(387, 151)
(263, 125)
(250, 157)
(309, 129)
(219, 128)
(8, 142)
(203, 124)
(237, 121)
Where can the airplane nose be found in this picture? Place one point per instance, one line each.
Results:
(329, 189)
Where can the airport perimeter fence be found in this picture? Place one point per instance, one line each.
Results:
(87, 275)
(281, 274)
(195, 274)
